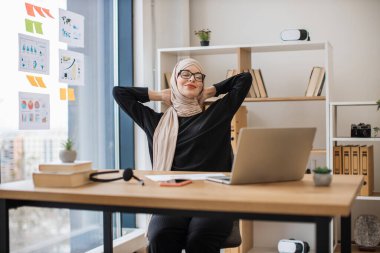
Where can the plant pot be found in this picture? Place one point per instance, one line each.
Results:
(67, 156)
(205, 43)
(322, 179)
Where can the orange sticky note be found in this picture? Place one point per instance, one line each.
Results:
(39, 10)
(70, 92)
(29, 9)
(32, 81)
(62, 92)
(40, 81)
(47, 11)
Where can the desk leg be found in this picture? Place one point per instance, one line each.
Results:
(345, 234)
(4, 226)
(107, 232)
(323, 235)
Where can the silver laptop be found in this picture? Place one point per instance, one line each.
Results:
(270, 155)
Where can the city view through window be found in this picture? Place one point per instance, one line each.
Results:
(21, 151)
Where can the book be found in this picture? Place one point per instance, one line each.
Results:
(260, 83)
(167, 79)
(61, 179)
(355, 164)
(346, 164)
(313, 81)
(65, 167)
(254, 84)
(251, 92)
(367, 170)
(320, 82)
(337, 160)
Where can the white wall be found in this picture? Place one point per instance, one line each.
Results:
(351, 26)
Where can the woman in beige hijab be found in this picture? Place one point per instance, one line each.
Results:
(185, 138)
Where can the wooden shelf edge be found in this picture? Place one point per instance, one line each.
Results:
(278, 99)
(355, 139)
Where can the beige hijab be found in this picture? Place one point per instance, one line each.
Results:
(165, 135)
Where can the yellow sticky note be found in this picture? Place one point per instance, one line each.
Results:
(62, 92)
(32, 81)
(70, 92)
(40, 81)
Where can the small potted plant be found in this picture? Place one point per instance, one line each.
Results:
(68, 154)
(322, 176)
(204, 36)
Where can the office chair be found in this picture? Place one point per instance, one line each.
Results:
(234, 239)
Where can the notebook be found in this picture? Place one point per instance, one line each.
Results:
(270, 155)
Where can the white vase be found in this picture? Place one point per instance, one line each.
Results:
(322, 179)
(67, 156)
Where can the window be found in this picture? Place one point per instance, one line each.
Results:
(88, 120)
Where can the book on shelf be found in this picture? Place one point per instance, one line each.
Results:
(367, 170)
(65, 167)
(168, 76)
(355, 163)
(254, 84)
(337, 162)
(346, 163)
(320, 82)
(260, 83)
(61, 179)
(316, 81)
(251, 92)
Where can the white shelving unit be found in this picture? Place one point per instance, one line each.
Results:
(243, 56)
(335, 139)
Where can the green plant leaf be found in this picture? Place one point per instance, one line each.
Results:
(322, 170)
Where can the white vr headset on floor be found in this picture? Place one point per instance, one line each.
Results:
(292, 246)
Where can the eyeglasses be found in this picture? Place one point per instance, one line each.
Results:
(186, 74)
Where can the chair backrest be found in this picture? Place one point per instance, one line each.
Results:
(234, 239)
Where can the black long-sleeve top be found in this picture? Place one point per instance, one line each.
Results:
(204, 140)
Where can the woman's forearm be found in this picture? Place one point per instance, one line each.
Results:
(154, 95)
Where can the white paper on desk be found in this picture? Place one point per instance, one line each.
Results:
(203, 176)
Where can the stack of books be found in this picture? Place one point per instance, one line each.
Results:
(257, 89)
(355, 160)
(63, 174)
(316, 81)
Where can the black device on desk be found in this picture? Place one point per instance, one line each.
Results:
(127, 175)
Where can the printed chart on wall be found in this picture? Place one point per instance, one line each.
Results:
(71, 28)
(71, 67)
(33, 54)
(34, 111)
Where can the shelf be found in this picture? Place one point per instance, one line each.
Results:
(253, 48)
(319, 151)
(279, 99)
(375, 196)
(365, 103)
(355, 139)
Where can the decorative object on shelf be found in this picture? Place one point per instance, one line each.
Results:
(68, 154)
(378, 104)
(376, 131)
(361, 130)
(293, 246)
(204, 36)
(322, 176)
(367, 232)
(295, 34)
